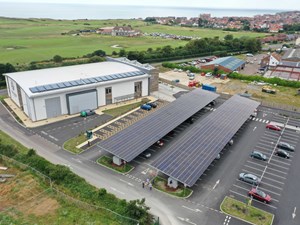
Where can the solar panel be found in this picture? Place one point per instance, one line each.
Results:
(133, 140)
(54, 86)
(73, 83)
(67, 84)
(87, 81)
(48, 87)
(41, 88)
(61, 85)
(190, 155)
(34, 90)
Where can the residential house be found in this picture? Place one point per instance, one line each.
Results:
(270, 61)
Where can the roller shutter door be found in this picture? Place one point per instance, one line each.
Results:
(53, 107)
(82, 100)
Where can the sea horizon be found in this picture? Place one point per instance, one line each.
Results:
(98, 11)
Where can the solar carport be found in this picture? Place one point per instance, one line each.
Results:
(189, 156)
(132, 141)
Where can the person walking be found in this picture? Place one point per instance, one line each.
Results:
(150, 187)
(143, 184)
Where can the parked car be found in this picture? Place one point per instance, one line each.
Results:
(258, 155)
(147, 155)
(208, 74)
(273, 127)
(282, 153)
(152, 104)
(259, 195)
(87, 112)
(191, 77)
(249, 178)
(160, 143)
(286, 146)
(249, 55)
(218, 156)
(146, 107)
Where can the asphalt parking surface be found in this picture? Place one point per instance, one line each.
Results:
(62, 131)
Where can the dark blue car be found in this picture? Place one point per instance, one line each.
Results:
(146, 107)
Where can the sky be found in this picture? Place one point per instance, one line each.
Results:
(232, 4)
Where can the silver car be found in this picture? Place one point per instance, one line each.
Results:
(286, 146)
(249, 178)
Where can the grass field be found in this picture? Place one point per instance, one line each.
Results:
(27, 40)
(25, 199)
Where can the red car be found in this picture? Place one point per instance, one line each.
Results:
(260, 195)
(273, 127)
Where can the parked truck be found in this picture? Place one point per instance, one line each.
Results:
(209, 87)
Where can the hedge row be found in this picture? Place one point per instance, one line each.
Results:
(274, 80)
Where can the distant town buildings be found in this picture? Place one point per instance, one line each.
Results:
(264, 23)
(125, 31)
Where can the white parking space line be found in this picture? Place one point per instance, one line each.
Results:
(271, 134)
(280, 161)
(289, 140)
(270, 139)
(261, 170)
(271, 185)
(278, 171)
(137, 161)
(261, 188)
(268, 146)
(253, 199)
(282, 167)
(251, 162)
(275, 175)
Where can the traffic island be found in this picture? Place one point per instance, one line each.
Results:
(107, 162)
(246, 212)
(70, 145)
(161, 184)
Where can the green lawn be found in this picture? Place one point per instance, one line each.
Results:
(7, 140)
(249, 213)
(107, 161)
(24, 41)
(122, 109)
(71, 144)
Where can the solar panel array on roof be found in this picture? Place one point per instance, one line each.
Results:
(189, 156)
(74, 83)
(132, 141)
(229, 62)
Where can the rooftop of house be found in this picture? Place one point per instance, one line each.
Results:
(229, 62)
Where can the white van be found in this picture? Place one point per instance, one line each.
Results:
(249, 55)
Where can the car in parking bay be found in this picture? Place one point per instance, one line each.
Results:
(249, 178)
(286, 146)
(258, 155)
(260, 195)
(152, 104)
(282, 153)
(146, 107)
(87, 112)
(273, 127)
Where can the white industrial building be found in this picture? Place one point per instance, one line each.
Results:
(48, 93)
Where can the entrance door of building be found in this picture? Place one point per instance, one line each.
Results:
(108, 95)
(138, 89)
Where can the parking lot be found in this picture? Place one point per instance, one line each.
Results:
(274, 172)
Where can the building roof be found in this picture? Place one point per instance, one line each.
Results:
(77, 75)
(276, 56)
(229, 62)
(292, 54)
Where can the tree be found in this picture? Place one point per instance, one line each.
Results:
(5, 68)
(99, 53)
(57, 59)
(122, 53)
(228, 37)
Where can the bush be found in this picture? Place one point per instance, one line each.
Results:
(274, 80)
(57, 59)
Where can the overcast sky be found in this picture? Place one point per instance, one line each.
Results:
(241, 4)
